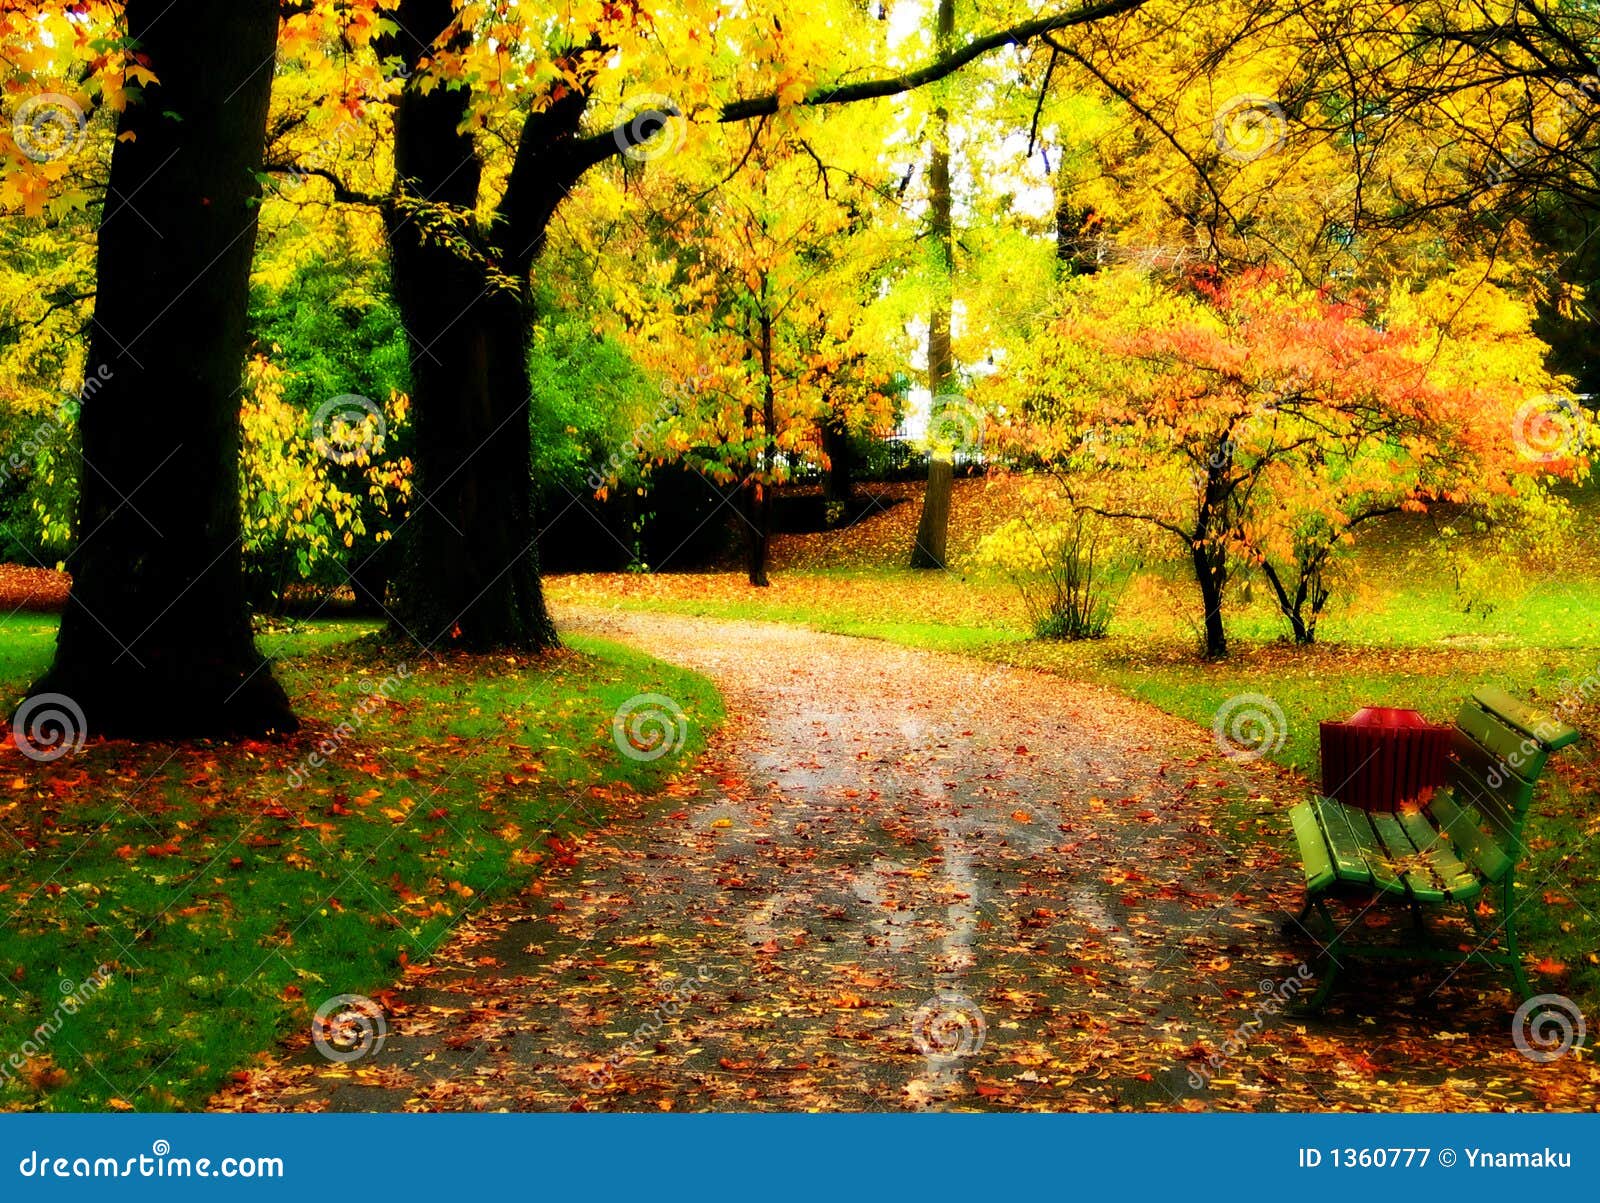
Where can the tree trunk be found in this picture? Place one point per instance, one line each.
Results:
(1292, 608)
(758, 492)
(1209, 555)
(836, 484)
(470, 570)
(933, 527)
(156, 639)
(1210, 572)
(755, 506)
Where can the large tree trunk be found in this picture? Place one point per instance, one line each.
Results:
(933, 527)
(470, 571)
(156, 637)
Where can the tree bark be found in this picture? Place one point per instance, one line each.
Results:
(470, 569)
(1210, 571)
(836, 484)
(156, 638)
(758, 491)
(1209, 556)
(933, 527)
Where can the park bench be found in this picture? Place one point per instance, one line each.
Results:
(1463, 842)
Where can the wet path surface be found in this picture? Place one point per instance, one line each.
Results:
(903, 880)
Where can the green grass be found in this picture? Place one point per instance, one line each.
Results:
(26, 641)
(229, 904)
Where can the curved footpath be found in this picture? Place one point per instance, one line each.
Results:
(908, 880)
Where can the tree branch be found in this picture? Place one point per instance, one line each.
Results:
(598, 147)
(341, 192)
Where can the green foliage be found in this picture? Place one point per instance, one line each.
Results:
(590, 399)
(1493, 552)
(326, 475)
(333, 329)
(322, 492)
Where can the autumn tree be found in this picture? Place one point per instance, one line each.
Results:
(758, 292)
(1256, 422)
(156, 637)
(463, 257)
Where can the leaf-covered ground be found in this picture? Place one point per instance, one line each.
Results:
(904, 880)
(231, 888)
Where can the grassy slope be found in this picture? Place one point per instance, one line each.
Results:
(1397, 636)
(230, 904)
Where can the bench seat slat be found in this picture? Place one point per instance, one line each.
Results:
(1314, 855)
(1459, 881)
(1458, 820)
(1419, 877)
(1347, 856)
(1358, 824)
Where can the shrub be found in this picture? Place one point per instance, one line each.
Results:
(1070, 565)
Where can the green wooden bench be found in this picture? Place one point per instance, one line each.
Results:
(1466, 841)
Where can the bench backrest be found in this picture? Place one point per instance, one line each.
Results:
(1497, 751)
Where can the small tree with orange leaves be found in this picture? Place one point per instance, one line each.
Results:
(1259, 422)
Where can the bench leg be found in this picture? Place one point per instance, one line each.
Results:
(1417, 919)
(1329, 965)
(1289, 927)
(1314, 903)
(1519, 976)
(1328, 970)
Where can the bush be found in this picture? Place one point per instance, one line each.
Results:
(1070, 565)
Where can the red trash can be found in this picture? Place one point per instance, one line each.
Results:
(1381, 758)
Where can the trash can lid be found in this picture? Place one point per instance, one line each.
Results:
(1386, 716)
